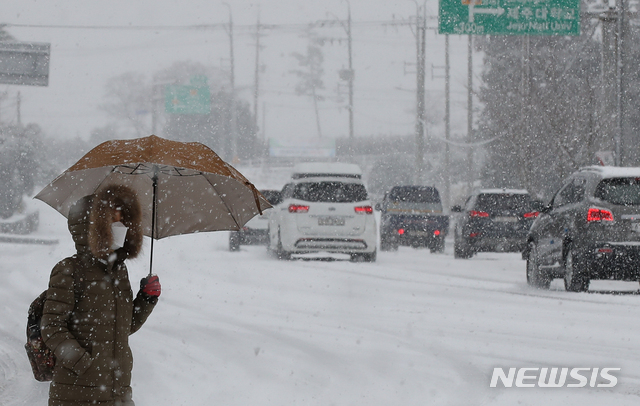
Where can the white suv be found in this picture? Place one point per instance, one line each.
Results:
(325, 208)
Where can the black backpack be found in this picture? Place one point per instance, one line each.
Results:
(42, 358)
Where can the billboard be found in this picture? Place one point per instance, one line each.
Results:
(24, 63)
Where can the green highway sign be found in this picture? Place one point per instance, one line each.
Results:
(192, 99)
(509, 17)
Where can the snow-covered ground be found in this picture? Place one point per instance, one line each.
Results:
(413, 328)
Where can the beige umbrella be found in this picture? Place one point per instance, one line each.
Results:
(183, 187)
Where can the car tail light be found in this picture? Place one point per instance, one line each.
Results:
(401, 231)
(532, 214)
(436, 233)
(297, 208)
(364, 210)
(599, 215)
(473, 234)
(474, 213)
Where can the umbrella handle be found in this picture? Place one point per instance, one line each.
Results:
(153, 217)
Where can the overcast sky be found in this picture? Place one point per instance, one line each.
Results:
(84, 55)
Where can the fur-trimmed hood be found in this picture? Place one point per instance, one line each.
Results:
(105, 202)
(78, 222)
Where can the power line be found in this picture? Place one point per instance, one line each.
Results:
(247, 27)
(120, 27)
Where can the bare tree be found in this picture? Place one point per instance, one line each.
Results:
(131, 97)
(128, 100)
(310, 74)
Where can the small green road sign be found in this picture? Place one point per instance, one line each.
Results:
(509, 17)
(187, 99)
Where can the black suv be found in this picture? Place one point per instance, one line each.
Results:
(589, 230)
(495, 220)
(412, 216)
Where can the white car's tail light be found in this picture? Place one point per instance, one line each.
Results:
(298, 208)
(364, 210)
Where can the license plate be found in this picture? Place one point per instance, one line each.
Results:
(418, 233)
(505, 219)
(330, 221)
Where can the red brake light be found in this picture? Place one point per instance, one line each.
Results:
(599, 215)
(474, 213)
(401, 231)
(296, 208)
(364, 210)
(531, 214)
(437, 232)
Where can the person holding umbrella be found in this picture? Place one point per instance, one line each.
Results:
(90, 309)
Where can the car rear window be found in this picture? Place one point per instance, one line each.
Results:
(500, 202)
(414, 194)
(619, 191)
(333, 192)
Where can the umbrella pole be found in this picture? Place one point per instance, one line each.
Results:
(153, 219)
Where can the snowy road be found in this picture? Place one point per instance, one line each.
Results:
(414, 328)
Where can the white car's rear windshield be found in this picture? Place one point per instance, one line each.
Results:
(619, 191)
(330, 192)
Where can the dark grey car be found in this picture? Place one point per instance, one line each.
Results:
(494, 220)
(590, 230)
(412, 216)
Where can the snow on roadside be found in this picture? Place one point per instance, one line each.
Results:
(414, 328)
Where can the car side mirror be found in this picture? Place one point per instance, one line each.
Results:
(456, 209)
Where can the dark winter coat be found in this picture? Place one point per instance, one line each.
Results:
(88, 326)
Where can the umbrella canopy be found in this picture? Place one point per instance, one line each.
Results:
(183, 187)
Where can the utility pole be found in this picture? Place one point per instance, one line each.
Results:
(264, 121)
(447, 124)
(351, 73)
(155, 100)
(154, 113)
(525, 99)
(348, 74)
(620, 5)
(470, 113)
(257, 76)
(611, 106)
(234, 124)
(18, 101)
(421, 29)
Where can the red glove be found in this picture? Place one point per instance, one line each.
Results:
(151, 286)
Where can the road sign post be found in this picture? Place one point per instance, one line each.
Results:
(509, 17)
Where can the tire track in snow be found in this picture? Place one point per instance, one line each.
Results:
(17, 384)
